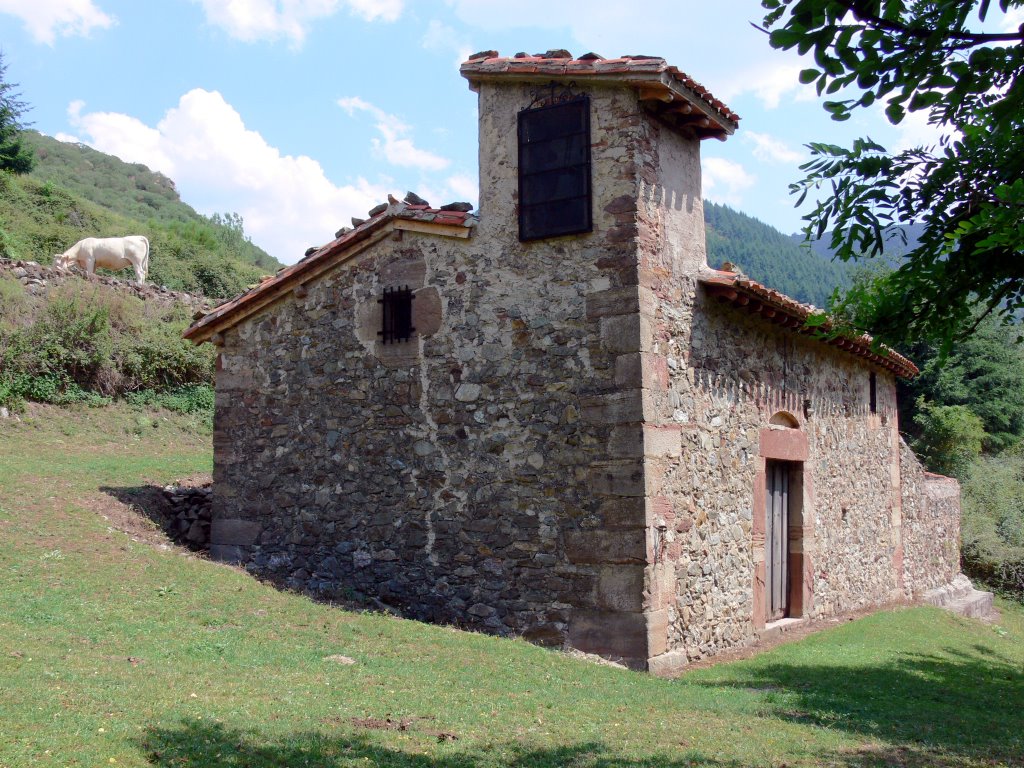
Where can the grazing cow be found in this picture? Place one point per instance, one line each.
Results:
(109, 253)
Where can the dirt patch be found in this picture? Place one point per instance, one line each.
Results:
(140, 511)
(386, 724)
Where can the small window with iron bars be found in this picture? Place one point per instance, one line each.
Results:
(554, 165)
(396, 323)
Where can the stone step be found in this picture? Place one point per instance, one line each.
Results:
(960, 597)
(976, 605)
(942, 596)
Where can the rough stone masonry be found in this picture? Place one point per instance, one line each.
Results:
(572, 445)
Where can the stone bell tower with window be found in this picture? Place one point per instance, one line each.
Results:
(593, 166)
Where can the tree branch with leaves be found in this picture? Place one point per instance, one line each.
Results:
(967, 190)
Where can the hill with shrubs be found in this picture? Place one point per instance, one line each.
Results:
(67, 339)
(74, 191)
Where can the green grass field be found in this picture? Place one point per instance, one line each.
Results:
(115, 650)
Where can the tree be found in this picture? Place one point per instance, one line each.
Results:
(14, 156)
(967, 190)
(984, 373)
(951, 438)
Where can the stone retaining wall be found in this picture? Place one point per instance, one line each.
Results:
(931, 527)
(38, 279)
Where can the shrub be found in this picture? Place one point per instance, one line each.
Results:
(83, 344)
(993, 522)
(951, 437)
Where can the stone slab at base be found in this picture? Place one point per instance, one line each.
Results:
(775, 628)
(960, 597)
(671, 664)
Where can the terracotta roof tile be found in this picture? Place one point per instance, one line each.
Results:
(776, 307)
(485, 64)
(400, 211)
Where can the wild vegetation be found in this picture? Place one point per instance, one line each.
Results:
(965, 189)
(87, 343)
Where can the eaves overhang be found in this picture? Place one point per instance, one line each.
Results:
(774, 307)
(668, 91)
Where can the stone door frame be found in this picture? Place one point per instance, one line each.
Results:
(788, 444)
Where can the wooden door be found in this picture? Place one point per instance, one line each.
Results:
(776, 554)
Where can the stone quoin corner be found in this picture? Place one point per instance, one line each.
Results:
(551, 418)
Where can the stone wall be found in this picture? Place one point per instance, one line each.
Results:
(729, 374)
(931, 526)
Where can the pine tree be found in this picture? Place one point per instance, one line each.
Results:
(14, 156)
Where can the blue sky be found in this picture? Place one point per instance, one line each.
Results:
(299, 114)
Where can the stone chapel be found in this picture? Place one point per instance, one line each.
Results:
(551, 418)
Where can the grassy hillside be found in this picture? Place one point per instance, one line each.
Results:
(115, 650)
(770, 257)
(77, 192)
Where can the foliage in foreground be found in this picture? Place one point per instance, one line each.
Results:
(85, 343)
(124, 653)
(967, 191)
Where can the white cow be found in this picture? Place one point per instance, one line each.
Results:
(109, 253)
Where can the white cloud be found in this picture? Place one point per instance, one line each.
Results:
(394, 146)
(441, 37)
(724, 180)
(463, 187)
(252, 20)
(48, 19)
(1013, 19)
(219, 165)
(769, 83)
(772, 150)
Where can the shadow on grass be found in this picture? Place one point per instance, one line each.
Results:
(925, 710)
(207, 744)
(147, 499)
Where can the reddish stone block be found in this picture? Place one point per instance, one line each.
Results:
(618, 301)
(759, 596)
(760, 504)
(657, 633)
(783, 444)
(624, 513)
(656, 372)
(620, 588)
(621, 478)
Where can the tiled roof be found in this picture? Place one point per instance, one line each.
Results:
(740, 291)
(658, 78)
(413, 213)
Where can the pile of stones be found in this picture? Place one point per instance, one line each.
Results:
(188, 522)
(38, 279)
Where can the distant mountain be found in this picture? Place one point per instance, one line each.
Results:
(770, 257)
(895, 247)
(76, 192)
